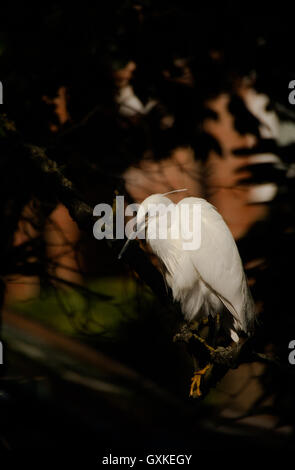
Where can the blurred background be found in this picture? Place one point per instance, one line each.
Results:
(135, 98)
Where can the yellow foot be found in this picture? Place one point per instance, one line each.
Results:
(196, 381)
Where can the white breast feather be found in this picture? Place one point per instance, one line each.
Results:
(203, 278)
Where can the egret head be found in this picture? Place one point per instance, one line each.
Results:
(153, 206)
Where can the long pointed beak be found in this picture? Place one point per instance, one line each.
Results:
(125, 247)
(132, 237)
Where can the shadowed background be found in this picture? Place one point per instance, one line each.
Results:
(138, 99)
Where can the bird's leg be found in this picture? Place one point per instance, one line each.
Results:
(203, 341)
(216, 329)
(196, 381)
(195, 389)
(196, 325)
(217, 321)
(197, 377)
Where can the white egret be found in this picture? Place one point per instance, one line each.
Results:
(209, 280)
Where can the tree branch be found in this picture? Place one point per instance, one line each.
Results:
(222, 358)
